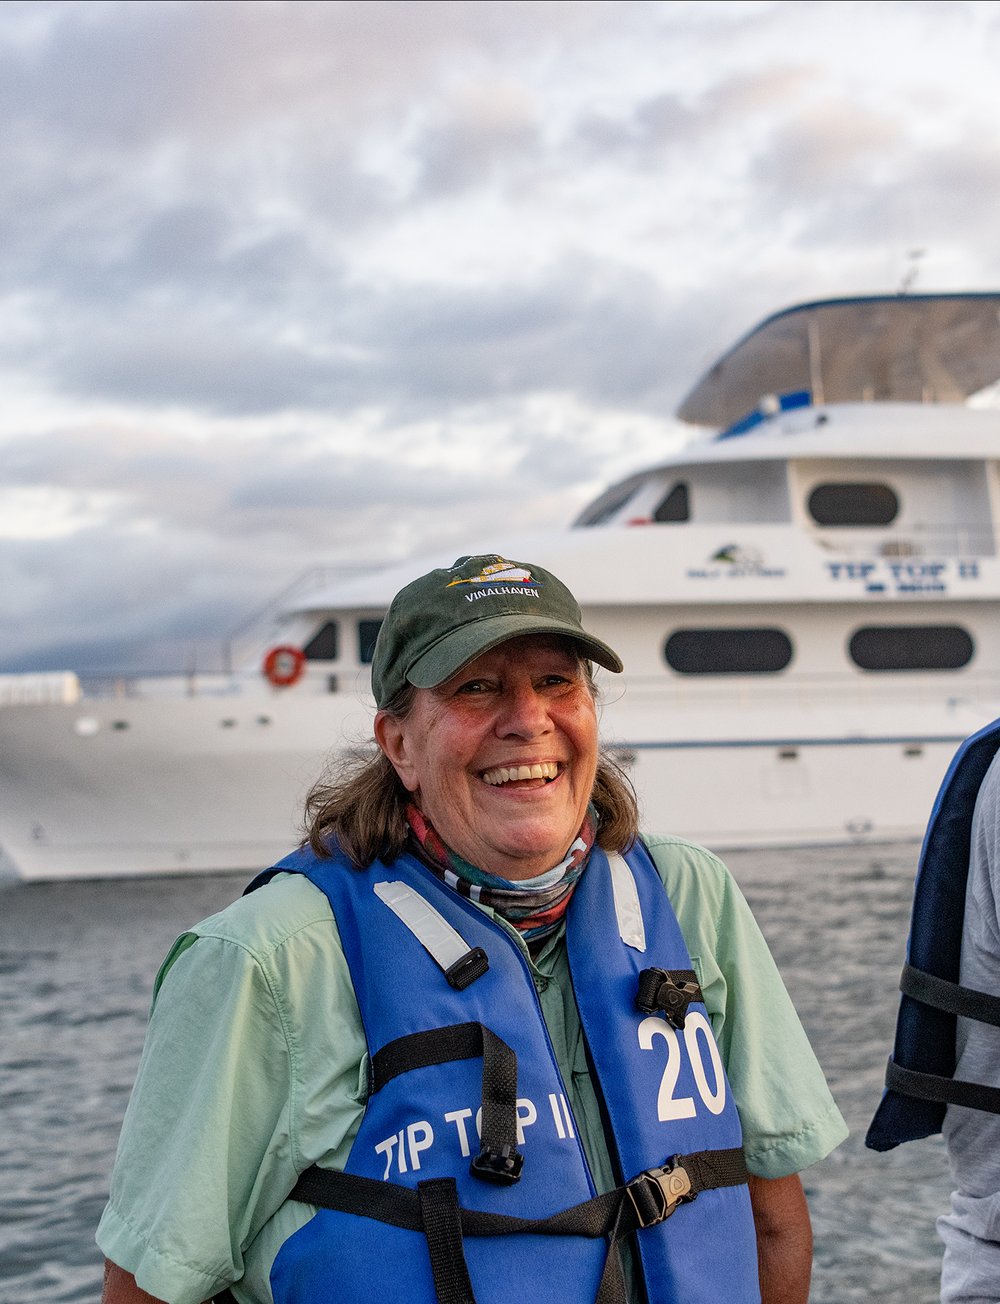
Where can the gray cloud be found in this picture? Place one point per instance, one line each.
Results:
(658, 129)
(152, 265)
(197, 195)
(834, 147)
(201, 534)
(216, 342)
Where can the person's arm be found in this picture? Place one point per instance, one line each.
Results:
(120, 1287)
(784, 1239)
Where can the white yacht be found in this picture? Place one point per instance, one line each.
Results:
(807, 601)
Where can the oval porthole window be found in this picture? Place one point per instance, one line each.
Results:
(853, 504)
(911, 647)
(756, 651)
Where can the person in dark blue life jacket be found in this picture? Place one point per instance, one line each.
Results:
(476, 1039)
(944, 1073)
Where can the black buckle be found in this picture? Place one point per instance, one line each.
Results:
(656, 1193)
(467, 968)
(660, 992)
(502, 1167)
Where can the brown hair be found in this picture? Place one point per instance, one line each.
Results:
(361, 806)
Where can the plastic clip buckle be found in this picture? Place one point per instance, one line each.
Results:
(675, 999)
(656, 1193)
(501, 1167)
(467, 968)
(660, 993)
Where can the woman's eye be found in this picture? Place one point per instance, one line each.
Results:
(473, 686)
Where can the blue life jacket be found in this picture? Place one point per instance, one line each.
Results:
(427, 1209)
(920, 1081)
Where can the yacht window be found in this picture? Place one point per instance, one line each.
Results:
(911, 647)
(675, 506)
(323, 644)
(853, 504)
(760, 651)
(367, 634)
(609, 504)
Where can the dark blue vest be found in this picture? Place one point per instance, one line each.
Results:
(664, 1092)
(919, 1077)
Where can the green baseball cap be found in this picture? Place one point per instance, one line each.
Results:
(447, 617)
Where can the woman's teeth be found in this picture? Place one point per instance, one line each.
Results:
(547, 770)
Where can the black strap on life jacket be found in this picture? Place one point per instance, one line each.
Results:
(953, 998)
(433, 1208)
(669, 991)
(499, 1159)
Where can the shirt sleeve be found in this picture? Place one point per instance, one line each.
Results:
(212, 1139)
(789, 1117)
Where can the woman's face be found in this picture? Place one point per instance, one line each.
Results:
(501, 758)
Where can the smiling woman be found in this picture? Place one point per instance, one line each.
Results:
(474, 1004)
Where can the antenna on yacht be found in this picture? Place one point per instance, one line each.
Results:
(912, 272)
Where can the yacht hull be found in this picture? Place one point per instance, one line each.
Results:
(807, 605)
(203, 784)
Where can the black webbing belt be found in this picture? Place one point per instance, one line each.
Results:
(951, 997)
(433, 1208)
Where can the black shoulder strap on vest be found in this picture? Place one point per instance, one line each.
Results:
(433, 1208)
(499, 1160)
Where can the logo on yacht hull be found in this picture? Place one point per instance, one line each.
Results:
(734, 561)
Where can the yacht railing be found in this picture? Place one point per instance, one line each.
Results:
(171, 685)
(917, 541)
(223, 662)
(39, 688)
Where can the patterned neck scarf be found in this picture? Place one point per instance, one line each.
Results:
(535, 906)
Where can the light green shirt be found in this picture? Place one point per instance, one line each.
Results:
(255, 1067)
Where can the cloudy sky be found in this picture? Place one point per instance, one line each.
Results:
(289, 284)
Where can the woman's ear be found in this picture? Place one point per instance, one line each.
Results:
(392, 736)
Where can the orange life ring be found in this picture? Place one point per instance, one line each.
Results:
(284, 665)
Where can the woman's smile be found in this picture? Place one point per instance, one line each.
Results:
(519, 773)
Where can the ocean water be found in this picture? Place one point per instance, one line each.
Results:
(77, 962)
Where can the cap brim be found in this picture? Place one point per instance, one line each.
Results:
(462, 645)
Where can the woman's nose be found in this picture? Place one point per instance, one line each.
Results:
(523, 713)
